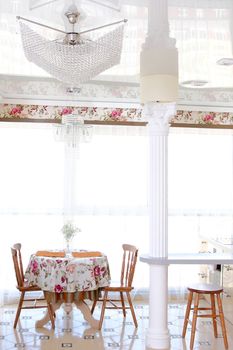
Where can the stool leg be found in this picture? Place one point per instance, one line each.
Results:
(221, 315)
(212, 298)
(195, 314)
(187, 313)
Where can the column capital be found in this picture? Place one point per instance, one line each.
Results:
(158, 116)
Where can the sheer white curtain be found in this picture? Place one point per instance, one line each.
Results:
(200, 193)
(109, 197)
(200, 185)
(110, 194)
(31, 200)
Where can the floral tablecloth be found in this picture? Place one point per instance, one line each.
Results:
(68, 274)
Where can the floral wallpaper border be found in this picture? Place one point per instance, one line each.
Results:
(203, 118)
(9, 111)
(23, 112)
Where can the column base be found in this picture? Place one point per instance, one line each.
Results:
(157, 341)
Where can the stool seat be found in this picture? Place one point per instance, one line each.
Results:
(205, 288)
(195, 291)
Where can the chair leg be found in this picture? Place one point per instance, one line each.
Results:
(187, 313)
(221, 315)
(123, 304)
(132, 309)
(103, 309)
(194, 322)
(212, 298)
(93, 306)
(51, 314)
(19, 308)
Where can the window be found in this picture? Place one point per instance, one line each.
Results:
(108, 200)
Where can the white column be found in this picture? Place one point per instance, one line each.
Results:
(159, 83)
(158, 25)
(158, 116)
(158, 336)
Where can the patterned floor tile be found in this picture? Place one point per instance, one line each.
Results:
(72, 332)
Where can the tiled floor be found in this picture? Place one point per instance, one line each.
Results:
(72, 332)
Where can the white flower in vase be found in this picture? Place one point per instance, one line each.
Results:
(69, 231)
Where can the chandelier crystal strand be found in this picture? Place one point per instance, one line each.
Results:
(72, 131)
(73, 64)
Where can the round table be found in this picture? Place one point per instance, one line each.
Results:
(69, 280)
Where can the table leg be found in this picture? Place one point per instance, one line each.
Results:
(67, 307)
(85, 310)
(40, 323)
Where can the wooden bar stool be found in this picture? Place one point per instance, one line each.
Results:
(195, 291)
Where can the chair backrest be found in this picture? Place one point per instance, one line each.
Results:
(128, 264)
(18, 265)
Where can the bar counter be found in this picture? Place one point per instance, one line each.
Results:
(199, 258)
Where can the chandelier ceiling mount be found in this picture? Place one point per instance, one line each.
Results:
(72, 16)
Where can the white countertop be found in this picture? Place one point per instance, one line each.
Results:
(199, 258)
(225, 243)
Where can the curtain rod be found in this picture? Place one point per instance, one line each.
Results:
(119, 123)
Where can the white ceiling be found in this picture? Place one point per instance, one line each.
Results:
(203, 30)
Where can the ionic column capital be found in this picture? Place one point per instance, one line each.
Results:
(158, 116)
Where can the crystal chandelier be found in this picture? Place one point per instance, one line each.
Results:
(72, 131)
(74, 59)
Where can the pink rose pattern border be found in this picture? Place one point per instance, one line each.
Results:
(56, 112)
(203, 118)
(19, 112)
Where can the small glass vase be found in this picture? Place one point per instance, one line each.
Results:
(68, 247)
